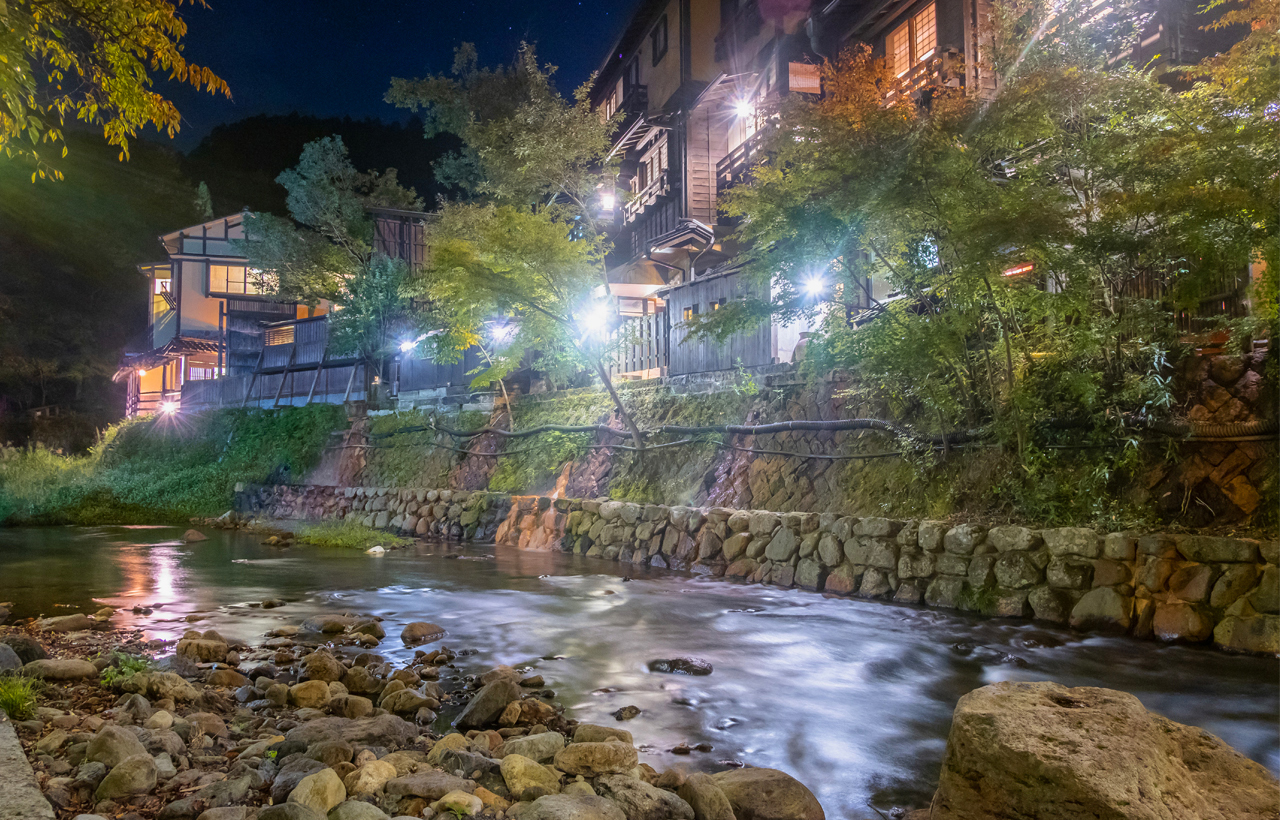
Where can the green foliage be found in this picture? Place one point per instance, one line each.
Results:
(408, 458)
(332, 258)
(90, 60)
(1130, 198)
(348, 535)
(18, 696)
(124, 666)
(165, 468)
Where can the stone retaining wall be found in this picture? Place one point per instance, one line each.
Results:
(1190, 588)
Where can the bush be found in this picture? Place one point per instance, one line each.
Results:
(164, 469)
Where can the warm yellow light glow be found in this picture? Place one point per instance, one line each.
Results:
(141, 372)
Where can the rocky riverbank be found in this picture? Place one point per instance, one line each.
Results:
(312, 723)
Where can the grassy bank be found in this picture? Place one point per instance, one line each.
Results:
(348, 535)
(163, 469)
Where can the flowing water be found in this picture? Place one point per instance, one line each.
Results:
(854, 698)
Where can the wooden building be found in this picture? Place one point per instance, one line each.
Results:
(206, 317)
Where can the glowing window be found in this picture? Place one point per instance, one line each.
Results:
(164, 285)
(232, 279)
(925, 33)
(898, 49)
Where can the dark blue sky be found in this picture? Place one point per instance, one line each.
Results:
(337, 58)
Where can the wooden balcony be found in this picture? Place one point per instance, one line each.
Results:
(657, 190)
(737, 164)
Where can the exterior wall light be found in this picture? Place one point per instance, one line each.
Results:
(743, 108)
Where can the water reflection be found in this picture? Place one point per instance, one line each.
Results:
(854, 698)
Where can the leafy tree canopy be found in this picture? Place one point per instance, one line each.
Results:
(90, 60)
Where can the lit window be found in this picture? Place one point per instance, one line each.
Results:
(232, 279)
(898, 50)
(925, 33)
(279, 336)
(690, 312)
(164, 285)
(913, 41)
(200, 374)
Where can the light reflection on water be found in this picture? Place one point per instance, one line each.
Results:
(852, 697)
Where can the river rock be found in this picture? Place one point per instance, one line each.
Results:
(171, 686)
(767, 794)
(227, 813)
(288, 811)
(540, 747)
(527, 779)
(294, 770)
(420, 632)
(591, 759)
(458, 804)
(430, 785)
(65, 623)
(572, 807)
(113, 744)
(681, 666)
(320, 791)
(60, 669)
(705, 798)
(202, 650)
(312, 694)
(1016, 749)
(487, 705)
(641, 801)
(136, 774)
(226, 679)
(321, 665)
(27, 648)
(383, 730)
(369, 778)
(193, 536)
(356, 810)
(328, 624)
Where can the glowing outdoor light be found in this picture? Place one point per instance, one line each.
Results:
(502, 333)
(607, 200)
(410, 344)
(168, 407)
(595, 320)
(814, 285)
(141, 372)
(744, 108)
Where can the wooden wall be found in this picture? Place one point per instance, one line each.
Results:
(750, 349)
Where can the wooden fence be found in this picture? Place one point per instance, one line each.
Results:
(750, 349)
(642, 346)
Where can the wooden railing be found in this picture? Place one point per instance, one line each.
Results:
(734, 167)
(659, 187)
(642, 346)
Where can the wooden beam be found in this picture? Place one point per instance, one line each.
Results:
(319, 369)
(253, 378)
(284, 377)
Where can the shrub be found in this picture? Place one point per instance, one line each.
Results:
(18, 696)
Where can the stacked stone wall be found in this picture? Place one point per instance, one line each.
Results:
(1188, 588)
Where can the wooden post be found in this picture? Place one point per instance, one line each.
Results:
(253, 378)
(346, 395)
(319, 369)
(284, 377)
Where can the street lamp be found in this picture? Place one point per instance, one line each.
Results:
(608, 200)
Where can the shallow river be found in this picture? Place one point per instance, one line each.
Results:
(853, 698)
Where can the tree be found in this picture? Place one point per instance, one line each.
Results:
(1035, 244)
(528, 249)
(91, 60)
(332, 258)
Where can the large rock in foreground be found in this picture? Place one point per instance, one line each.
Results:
(767, 794)
(1041, 750)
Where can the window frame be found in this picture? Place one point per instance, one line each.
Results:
(910, 32)
(659, 32)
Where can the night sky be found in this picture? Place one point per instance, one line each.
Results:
(336, 58)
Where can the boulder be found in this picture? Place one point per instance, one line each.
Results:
(319, 792)
(421, 632)
(369, 778)
(1075, 541)
(593, 733)
(328, 624)
(487, 705)
(27, 647)
(540, 747)
(527, 779)
(133, 775)
(312, 694)
(448, 743)
(113, 744)
(60, 669)
(430, 785)
(202, 650)
(356, 810)
(592, 759)
(294, 770)
(384, 730)
(321, 665)
(288, 811)
(705, 798)
(641, 801)
(170, 686)
(458, 804)
(767, 794)
(65, 623)
(572, 807)
(9, 660)
(193, 537)
(1103, 609)
(1020, 750)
